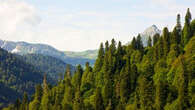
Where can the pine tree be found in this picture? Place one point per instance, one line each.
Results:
(156, 38)
(133, 77)
(68, 94)
(45, 101)
(85, 85)
(160, 95)
(125, 83)
(107, 92)
(98, 101)
(145, 83)
(178, 25)
(176, 34)
(35, 104)
(133, 43)
(109, 107)
(78, 101)
(24, 104)
(119, 59)
(106, 46)
(192, 26)
(76, 80)
(187, 30)
(17, 104)
(160, 48)
(149, 42)
(166, 40)
(99, 61)
(139, 43)
(67, 74)
(145, 93)
(113, 46)
(183, 100)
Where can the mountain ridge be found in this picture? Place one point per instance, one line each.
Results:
(23, 48)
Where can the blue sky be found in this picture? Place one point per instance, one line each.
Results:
(77, 25)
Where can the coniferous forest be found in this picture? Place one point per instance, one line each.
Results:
(160, 76)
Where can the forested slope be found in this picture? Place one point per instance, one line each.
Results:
(16, 77)
(160, 76)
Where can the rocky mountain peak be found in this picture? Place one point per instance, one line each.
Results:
(150, 31)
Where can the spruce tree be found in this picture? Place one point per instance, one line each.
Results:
(133, 43)
(149, 42)
(187, 29)
(68, 94)
(85, 85)
(76, 80)
(125, 83)
(98, 100)
(183, 99)
(176, 34)
(35, 104)
(24, 104)
(156, 38)
(139, 43)
(166, 40)
(192, 26)
(99, 61)
(78, 101)
(106, 46)
(45, 101)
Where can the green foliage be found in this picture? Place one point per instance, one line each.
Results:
(47, 64)
(157, 77)
(149, 42)
(155, 38)
(187, 33)
(98, 101)
(192, 26)
(16, 77)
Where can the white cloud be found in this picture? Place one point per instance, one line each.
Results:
(16, 16)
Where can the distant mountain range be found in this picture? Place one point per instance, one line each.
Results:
(69, 57)
(73, 58)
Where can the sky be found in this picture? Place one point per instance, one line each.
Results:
(78, 25)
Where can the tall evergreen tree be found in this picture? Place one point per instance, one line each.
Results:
(176, 34)
(24, 104)
(166, 40)
(99, 61)
(45, 101)
(76, 80)
(183, 100)
(125, 83)
(149, 42)
(78, 101)
(85, 84)
(192, 26)
(156, 38)
(139, 43)
(68, 94)
(35, 104)
(106, 46)
(133, 43)
(187, 30)
(98, 100)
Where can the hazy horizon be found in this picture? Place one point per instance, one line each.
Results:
(83, 25)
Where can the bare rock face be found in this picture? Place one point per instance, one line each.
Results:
(149, 32)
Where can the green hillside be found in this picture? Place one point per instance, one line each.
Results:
(160, 76)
